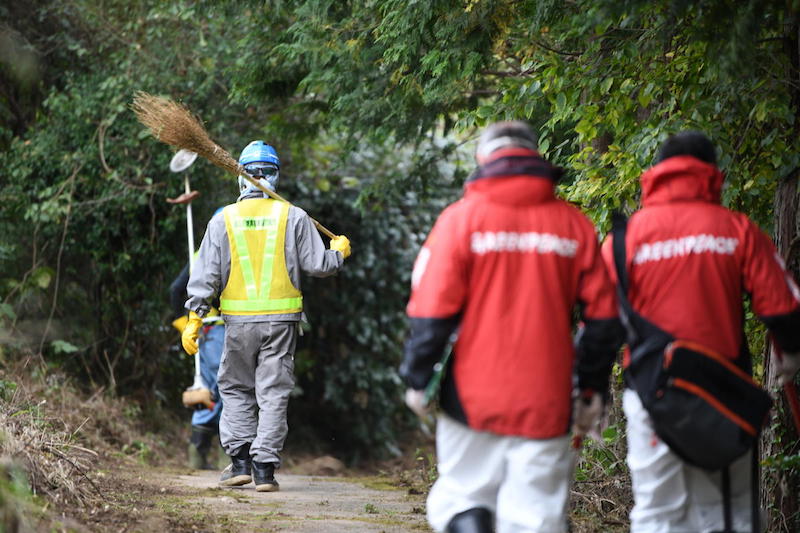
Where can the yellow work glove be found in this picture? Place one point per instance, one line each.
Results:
(180, 323)
(340, 243)
(190, 332)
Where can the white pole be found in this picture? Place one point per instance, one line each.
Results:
(198, 378)
(189, 225)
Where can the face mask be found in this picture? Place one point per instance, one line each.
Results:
(265, 173)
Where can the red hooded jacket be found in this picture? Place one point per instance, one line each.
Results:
(690, 261)
(508, 264)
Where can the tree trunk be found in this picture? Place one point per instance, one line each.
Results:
(781, 484)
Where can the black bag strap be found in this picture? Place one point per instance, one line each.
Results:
(755, 515)
(619, 226)
(727, 518)
(643, 335)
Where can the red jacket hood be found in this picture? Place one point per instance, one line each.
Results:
(681, 178)
(513, 176)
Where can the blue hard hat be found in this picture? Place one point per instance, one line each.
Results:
(259, 152)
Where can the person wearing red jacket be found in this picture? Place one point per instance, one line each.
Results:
(507, 266)
(689, 262)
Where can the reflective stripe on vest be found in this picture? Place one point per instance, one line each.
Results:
(259, 282)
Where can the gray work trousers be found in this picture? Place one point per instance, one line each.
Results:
(256, 376)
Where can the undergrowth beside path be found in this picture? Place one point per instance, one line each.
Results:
(62, 451)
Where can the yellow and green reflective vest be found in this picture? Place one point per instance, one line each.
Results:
(259, 282)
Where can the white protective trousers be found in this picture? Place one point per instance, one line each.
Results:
(525, 483)
(671, 496)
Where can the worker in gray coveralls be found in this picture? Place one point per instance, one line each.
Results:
(251, 256)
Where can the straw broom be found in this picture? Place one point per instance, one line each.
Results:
(173, 124)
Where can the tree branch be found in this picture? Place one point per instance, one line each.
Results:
(58, 260)
(560, 52)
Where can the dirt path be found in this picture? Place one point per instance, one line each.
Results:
(305, 504)
(142, 498)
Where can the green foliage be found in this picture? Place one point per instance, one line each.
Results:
(370, 509)
(604, 81)
(602, 481)
(426, 467)
(140, 450)
(602, 459)
(374, 68)
(7, 389)
(63, 347)
(16, 500)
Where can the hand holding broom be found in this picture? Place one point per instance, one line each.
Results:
(173, 124)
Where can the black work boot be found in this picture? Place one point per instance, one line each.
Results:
(199, 446)
(477, 520)
(238, 472)
(264, 477)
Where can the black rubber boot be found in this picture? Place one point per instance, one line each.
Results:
(477, 520)
(199, 446)
(264, 477)
(238, 472)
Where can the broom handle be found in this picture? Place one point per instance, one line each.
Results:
(277, 196)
